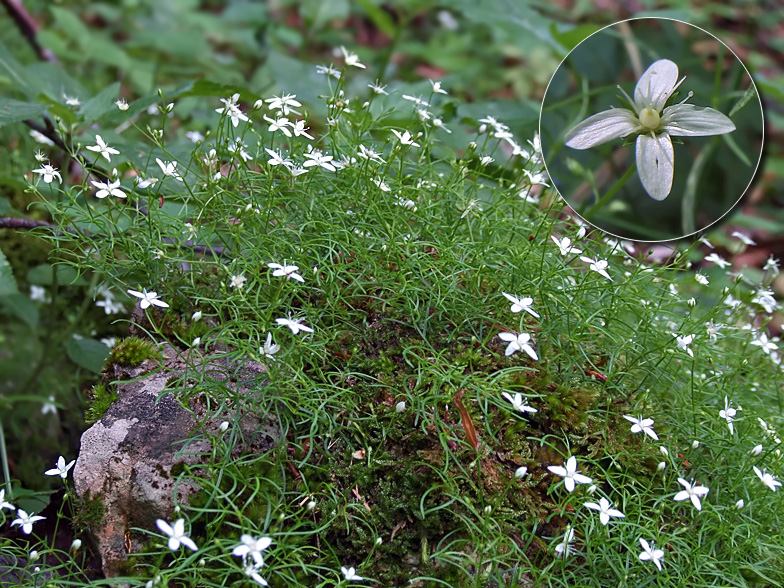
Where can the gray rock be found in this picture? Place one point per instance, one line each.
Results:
(126, 457)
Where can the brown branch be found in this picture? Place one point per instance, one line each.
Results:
(27, 224)
(28, 27)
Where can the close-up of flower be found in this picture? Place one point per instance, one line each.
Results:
(148, 298)
(570, 474)
(640, 424)
(650, 553)
(691, 492)
(176, 534)
(518, 342)
(605, 509)
(653, 124)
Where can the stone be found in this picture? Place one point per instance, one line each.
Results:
(126, 458)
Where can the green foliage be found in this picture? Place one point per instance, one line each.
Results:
(101, 397)
(132, 351)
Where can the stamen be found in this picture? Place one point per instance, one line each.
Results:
(689, 95)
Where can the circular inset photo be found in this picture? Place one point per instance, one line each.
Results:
(651, 129)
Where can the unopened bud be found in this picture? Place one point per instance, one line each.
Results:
(400, 406)
(521, 472)
(695, 444)
(757, 450)
(224, 426)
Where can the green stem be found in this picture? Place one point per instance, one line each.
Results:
(4, 460)
(610, 193)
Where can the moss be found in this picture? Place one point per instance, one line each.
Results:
(90, 511)
(101, 398)
(132, 351)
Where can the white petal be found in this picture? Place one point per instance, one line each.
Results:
(655, 164)
(601, 128)
(656, 84)
(687, 120)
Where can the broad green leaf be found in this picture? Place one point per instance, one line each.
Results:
(13, 110)
(88, 353)
(66, 275)
(12, 71)
(101, 103)
(7, 280)
(20, 306)
(52, 81)
(381, 19)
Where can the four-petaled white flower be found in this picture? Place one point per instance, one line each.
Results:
(253, 548)
(598, 265)
(351, 59)
(237, 281)
(148, 298)
(350, 574)
(518, 343)
(61, 469)
(405, 138)
(103, 149)
(641, 424)
(520, 304)
(650, 553)
(296, 325)
(728, 414)
(718, 260)
(108, 189)
(565, 245)
(49, 173)
(654, 124)
(269, 349)
(316, 157)
(763, 343)
(232, 110)
(276, 158)
(176, 534)
(605, 510)
(279, 124)
(26, 521)
(517, 402)
(684, 342)
(288, 271)
(570, 473)
(767, 479)
(169, 168)
(691, 492)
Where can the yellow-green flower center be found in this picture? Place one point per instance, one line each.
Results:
(649, 118)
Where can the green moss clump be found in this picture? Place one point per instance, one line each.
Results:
(101, 398)
(133, 351)
(90, 511)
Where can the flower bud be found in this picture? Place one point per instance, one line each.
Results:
(692, 302)
(521, 472)
(695, 444)
(661, 466)
(196, 316)
(379, 540)
(591, 488)
(311, 505)
(224, 426)
(663, 450)
(400, 406)
(740, 504)
(488, 509)
(757, 450)
(33, 555)
(196, 342)
(76, 545)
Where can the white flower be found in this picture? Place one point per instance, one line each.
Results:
(605, 512)
(521, 472)
(520, 304)
(26, 521)
(237, 281)
(718, 260)
(107, 189)
(366, 153)
(757, 450)
(316, 157)
(49, 173)
(232, 110)
(744, 238)
(701, 279)
(103, 148)
(121, 104)
(269, 349)
(71, 101)
(684, 342)
(378, 88)
(650, 553)
(283, 103)
(740, 504)
(772, 264)
(518, 343)
(437, 89)
(564, 548)
(279, 124)
(3, 503)
(570, 474)
(61, 469)
(176, 534)
(766, 299)
(141, 185)
(654, 124)
(169, 168)
(517, 402)
(300, 129)
(350, 574)
(400, 406)
(276, 158)
(405, 138)
(565, 245)
(295, 325)
(691, 492)
(762, 342)
(49, 406)
(38, 294)
(253, 548)
(641, 424)
(252, 571)
(537, 178)
(328, 70)
(148, 298)
(728, 414)
(767, 479)
(598, 265)
(351, 59)
(195, 136)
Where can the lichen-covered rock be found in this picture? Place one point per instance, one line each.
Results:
(126, 458)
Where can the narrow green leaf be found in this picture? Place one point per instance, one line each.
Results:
(381, 19)
(7, 280)
(735, 149)
(744, 100)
